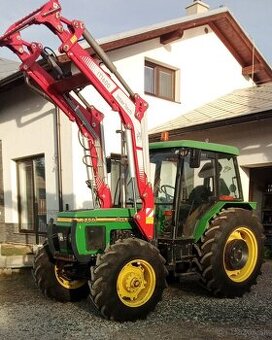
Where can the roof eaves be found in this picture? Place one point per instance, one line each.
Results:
(156, 30)
(178, 132)
(161, 25)
(7, 67)
(10, 79)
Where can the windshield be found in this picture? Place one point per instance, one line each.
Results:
(163, 174)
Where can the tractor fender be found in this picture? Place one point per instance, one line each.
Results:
(203, 223)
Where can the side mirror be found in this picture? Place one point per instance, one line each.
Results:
(195, 158)
(232, 188)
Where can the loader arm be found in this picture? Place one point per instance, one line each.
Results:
(62, 91)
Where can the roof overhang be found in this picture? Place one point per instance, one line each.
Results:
(178, 132)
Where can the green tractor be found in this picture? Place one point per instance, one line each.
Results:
(189, 219)
(202, 227)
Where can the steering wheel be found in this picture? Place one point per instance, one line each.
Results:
(165, 189)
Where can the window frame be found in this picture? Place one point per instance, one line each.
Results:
(157, 68)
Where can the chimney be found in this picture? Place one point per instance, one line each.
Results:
(197, 7)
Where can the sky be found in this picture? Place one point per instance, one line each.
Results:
(108, 17)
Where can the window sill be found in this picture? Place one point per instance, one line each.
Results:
(163, 98)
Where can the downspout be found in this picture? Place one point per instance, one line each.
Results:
(59, 159)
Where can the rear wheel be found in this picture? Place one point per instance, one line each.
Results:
(128, 280)
(232, 252)
(54, 282)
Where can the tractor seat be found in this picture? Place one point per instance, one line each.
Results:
(199, 195)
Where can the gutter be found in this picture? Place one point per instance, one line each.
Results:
(59, 157)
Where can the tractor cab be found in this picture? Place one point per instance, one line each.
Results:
(188, 179)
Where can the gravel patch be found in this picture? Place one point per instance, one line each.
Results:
(186, 312)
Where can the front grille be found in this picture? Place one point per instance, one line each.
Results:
(95, 237)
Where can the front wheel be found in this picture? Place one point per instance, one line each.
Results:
(128, 280)
(232, 252)
(54, 281)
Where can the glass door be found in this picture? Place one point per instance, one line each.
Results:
(32, 194)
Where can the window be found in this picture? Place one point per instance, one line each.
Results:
(163, 174)
(159, 81)
(216, 173)
(32, 194)
(228, 181)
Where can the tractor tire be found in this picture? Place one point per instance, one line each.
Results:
(128, 280)
(52, 283)
(232, 253)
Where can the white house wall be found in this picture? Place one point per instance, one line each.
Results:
(207, 71)
(24, 130)
(27, 128)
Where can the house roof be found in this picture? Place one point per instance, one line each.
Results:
(7, 67)
(222, 23)
(239, 105)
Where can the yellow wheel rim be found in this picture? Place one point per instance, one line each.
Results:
(68, 284)
(240, 254)
(136, 283)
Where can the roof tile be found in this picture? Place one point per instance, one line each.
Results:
(238, 103)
